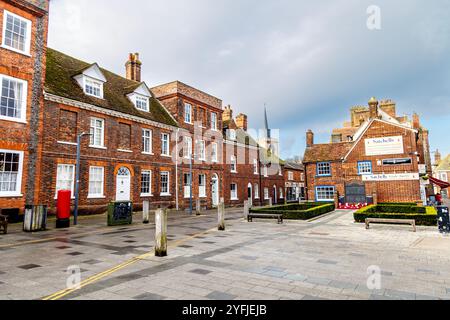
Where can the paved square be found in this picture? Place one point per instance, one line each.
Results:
(328, 258)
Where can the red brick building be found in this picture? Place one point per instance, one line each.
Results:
(294, 175)
(378, 160)
(23, 37)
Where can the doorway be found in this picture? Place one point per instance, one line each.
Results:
(123, 185)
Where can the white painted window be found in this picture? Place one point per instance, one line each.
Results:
(214, 121)
(142, 103)
(444, 176)
(281, 193)
(233, 164)
(96, 182)
(146, 183)
(187, 185)
(93, 87)
(302, 177)
(202, 185)
(256, 191)
(188, 113)
(290, 176)
(325, 194)
(187, 148)
(255, 166)
(201, 150)
(234, 192)
(214, 152)
(165, 142)
(97, 133)
(324, 169)
(13, 99)
(266, 193)
(16, 33)
(65, 178)
(165, 179)
(147, 141)
(11, 166)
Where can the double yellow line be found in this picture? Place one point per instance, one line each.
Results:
(60, 294)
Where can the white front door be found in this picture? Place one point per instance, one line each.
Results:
(215, 191)
(123, 185)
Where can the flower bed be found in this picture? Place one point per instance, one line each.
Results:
(304, 211)
(424, 216)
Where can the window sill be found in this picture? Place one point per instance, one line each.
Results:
(234, 199)
(145, 195)
(96, 197)
(148, 153)
(12, 195)
(125, 151)
(27, 54)
(202, 197)
(234, 172)
(165, 194)
(324, 176)
(166, 156)
(3, 118)
(98, 147)
(67, 143)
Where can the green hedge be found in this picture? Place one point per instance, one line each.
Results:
(398, 204)
(424, 216)
(298, 211)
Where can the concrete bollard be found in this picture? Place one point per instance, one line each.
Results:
(146, 212)
(270, 202)
(161, 233)
(198, 209)
(221, 215)
(246, 209)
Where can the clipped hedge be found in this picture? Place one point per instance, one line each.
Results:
(304, 211)
(424, 216)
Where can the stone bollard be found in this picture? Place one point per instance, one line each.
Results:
(336, 200)
(375, 198)
(246, 209)
(146, 212)
(221, 215)
(270, 202)
(198, 209)
(161, 233)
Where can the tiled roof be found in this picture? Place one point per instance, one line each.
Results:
(59, 81)
(294, 166)
(444, 165)
(327, 152)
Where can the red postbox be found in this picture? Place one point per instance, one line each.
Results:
(63, 209)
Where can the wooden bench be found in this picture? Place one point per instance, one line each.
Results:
(390, 221)
(277, 216)
(3, 223)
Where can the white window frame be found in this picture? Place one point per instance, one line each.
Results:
(266, 171)
(266, 194)
(214, 152)
(202, 185)
(72, 187)
(256, 191)
(187, 185)
(255, 166)
(23, 99)
(213, 121)
(93, 133)
(187, 147)
(233, 164)
(328, 189)
(101, 194)
(140, 99)
(188, 113)
(167, 193)
(290, 176)
(234, 193)
(150, 193)
(281, 193)
(93, 83)
(165, 136)
(201, 145)
(443, 176)
(18, 191)
(27, 45)
(324, 169)
(148, 139)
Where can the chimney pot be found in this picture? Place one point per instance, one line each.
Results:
(309, 138)
(373, 108)
(242, 121)
(133, 67)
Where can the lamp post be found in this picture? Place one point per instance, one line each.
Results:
(77, 178)
(191, 156)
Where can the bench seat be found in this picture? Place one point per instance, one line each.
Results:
(390, 221)
(277, 216)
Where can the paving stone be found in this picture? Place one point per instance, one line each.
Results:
(149, 296)
(249, 258)
(342, 285)
(400, 294)
(200, 271)
(29, 266)
(323, 261)
(296, 277)
(75, 253)
(92, 261)
(217, 295)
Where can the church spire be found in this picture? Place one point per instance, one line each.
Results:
(266, 123)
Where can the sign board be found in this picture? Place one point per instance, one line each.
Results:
(384, 146)
(391, 177)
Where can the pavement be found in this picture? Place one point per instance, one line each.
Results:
(328, 258)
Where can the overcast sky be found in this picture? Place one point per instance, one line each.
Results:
(308, 61)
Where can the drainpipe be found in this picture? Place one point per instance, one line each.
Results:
(176, 170)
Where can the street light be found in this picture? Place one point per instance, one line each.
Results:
(191, 209)
(77, 179)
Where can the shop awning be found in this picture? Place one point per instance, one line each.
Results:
(442, 184)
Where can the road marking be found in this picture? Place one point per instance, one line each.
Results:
(61, 294)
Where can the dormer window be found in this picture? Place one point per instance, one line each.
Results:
(93, 88)
(141, 103)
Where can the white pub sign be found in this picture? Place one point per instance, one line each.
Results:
(384, 146)
(391, 177)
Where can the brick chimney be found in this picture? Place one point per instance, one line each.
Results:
(437, 157)
(373, 108)
(416, 121)
(227, 114)
(242, 121)
(389, 107)
(309, 138)
(133, 67)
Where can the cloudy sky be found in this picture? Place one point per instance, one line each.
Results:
(308, 61)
